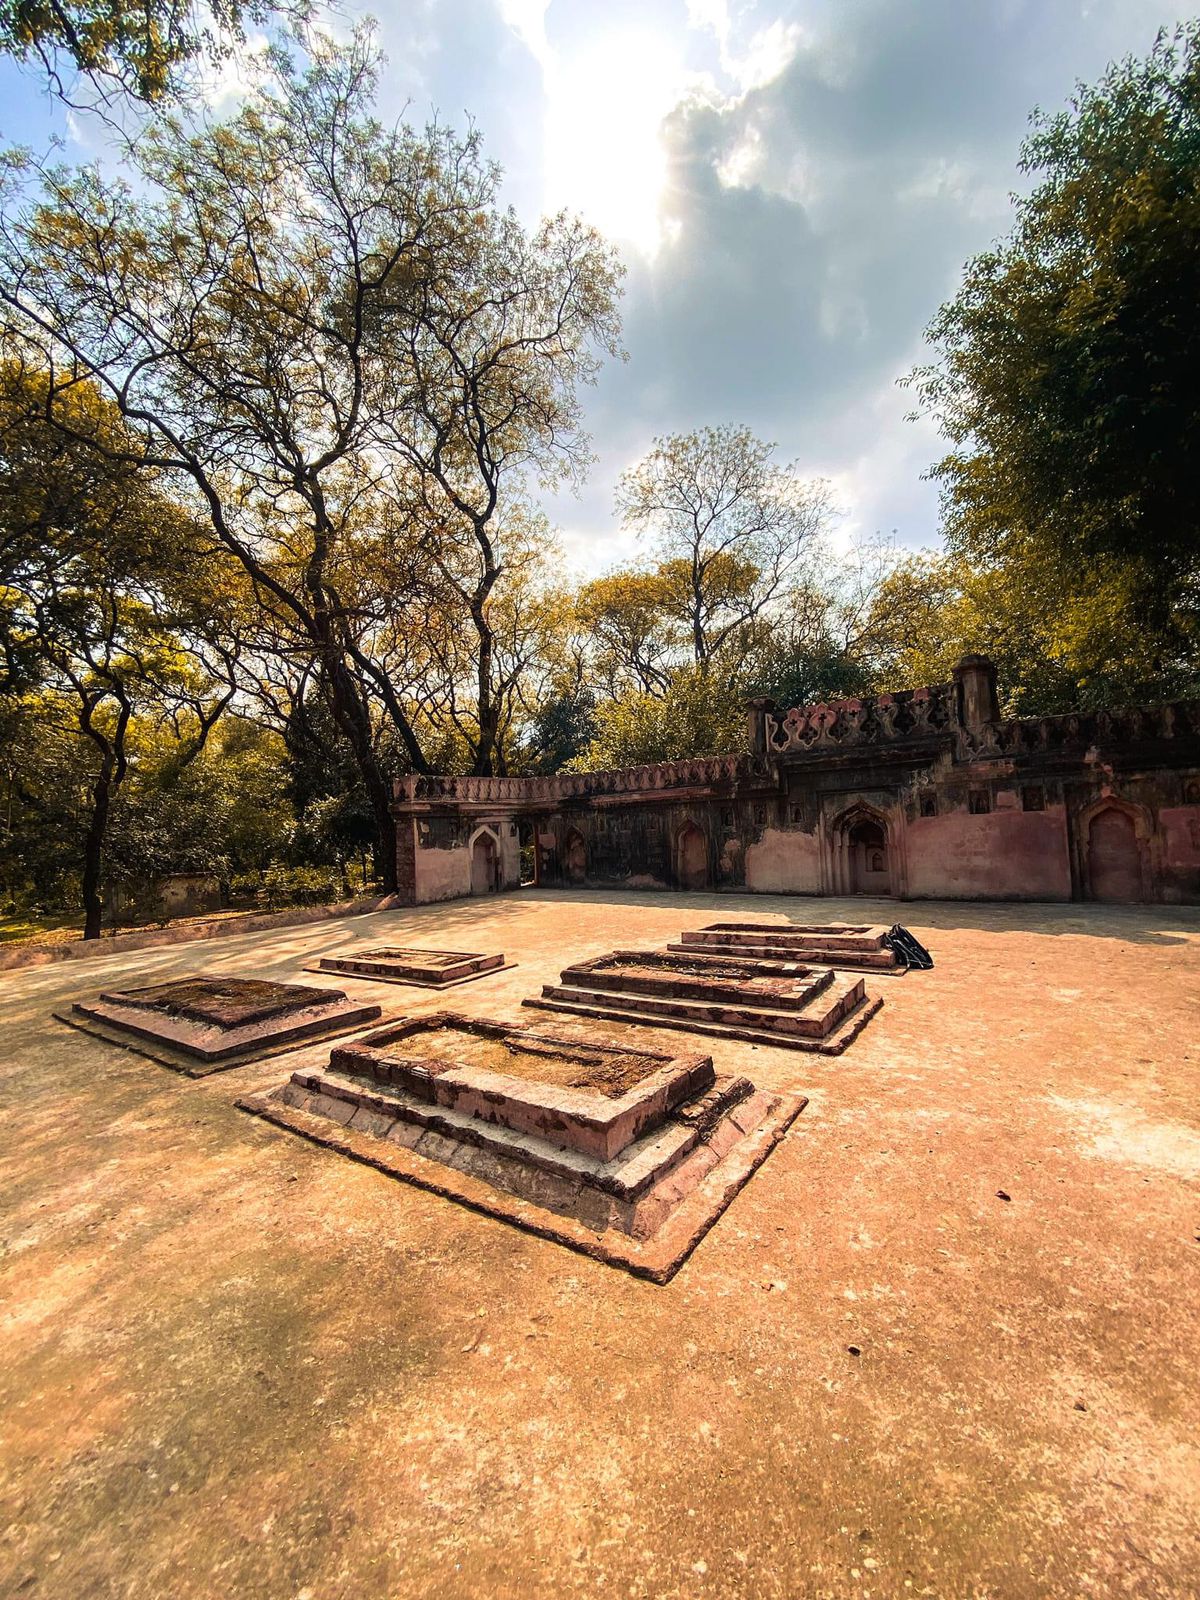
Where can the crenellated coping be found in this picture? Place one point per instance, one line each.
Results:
(907, 714)
(1133, 725)
(696, 772)
(911, 714)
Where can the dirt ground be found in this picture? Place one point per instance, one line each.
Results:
(944, 1343)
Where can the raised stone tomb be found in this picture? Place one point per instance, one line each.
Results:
(202, 1025)
(627, 1155)
(838, 944)
(768, 1002)
(433, 969)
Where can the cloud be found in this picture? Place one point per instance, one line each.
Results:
(795, 187)
(815, 214)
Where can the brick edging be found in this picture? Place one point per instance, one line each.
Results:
(41, 955)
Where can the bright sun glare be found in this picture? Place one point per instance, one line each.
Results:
(609, 167)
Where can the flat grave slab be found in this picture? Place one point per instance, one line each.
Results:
(626, 1155)
(200, 1025)
(837, 944)
(784, 1003)
(428, 969)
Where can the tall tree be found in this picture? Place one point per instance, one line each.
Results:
(94, 560)
(1065, 378)
(633, 632)
(308, 317)
(730, 530)
(141, 48)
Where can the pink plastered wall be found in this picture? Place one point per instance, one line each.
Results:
(1180, 827)
(784, 863)
(1005, 854)
(442, 875)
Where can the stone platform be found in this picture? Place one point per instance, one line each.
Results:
(202, 1025)
(763, 1002)
(836, 944)
(626, 1155)
(428, 969)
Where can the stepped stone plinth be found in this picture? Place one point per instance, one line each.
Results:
(627, 1155)
(429, 969)
(203, 1025)
(836, 944)
(777, 1002)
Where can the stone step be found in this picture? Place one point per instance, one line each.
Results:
(433, 969)
(608, 1008)
(635, 972)
(722, 947)
(386, 1112)
(792, 938)
(840, 995)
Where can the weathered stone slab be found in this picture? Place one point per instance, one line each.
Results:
(665, 974)
(837, 944)
(375, 1108)
(644, 1209)
(429, 969)
(531, 1083)
(762, 1001)
(203, 1025)
(610, 1009)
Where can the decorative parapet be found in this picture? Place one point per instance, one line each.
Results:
(653, 778)
(908, 714)
(1132, 726)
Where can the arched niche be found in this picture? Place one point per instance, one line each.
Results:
(691, 857)
(485, 861)
(862, 852)
(1115, 838)
(574, 856)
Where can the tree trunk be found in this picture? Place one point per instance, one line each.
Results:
(93, 847)
(351, 717)
(488, 711)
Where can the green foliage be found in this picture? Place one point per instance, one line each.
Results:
(801, 677)
(1066, 378)
(345, 405)
(696, 716)
(282, 885)
(730, 529)
(139, 47)
(559, 732)
(1056, 647)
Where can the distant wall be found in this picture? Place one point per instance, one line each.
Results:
(924, 794)
(784, 861)
(435, 855)
(1005, 855)
(1180, 827)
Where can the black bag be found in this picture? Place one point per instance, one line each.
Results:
(909, 951)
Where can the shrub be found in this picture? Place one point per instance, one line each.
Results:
(298, 886)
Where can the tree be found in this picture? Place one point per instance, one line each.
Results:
(695, 717)
(1057, 646)
(331, 338)
(1065, 378)
(634, 636)
(730, 531)
(93, 562)
(137, 47)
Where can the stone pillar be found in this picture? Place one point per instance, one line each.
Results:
(756, 724)
(975, 693)
(406, 858)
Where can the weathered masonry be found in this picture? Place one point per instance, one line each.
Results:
(926, 793)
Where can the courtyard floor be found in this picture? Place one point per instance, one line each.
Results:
(944, 1343)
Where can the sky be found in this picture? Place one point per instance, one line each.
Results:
(794, 190)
